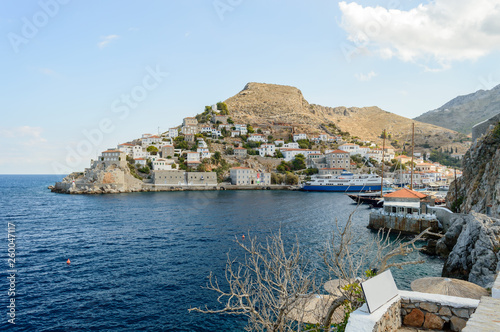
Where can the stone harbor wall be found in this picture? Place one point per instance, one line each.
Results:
(435, 312)
(410, 224)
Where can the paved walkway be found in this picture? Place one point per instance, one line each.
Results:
(486, 317)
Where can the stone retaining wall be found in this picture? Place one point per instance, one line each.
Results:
(435, 312)
(391, 320)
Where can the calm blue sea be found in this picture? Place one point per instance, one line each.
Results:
(139, 260)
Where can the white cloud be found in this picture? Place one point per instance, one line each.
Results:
(24, 135)
(365, 77)
(106, 40)
(433, 34)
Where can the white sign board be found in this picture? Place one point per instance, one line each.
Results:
(379, 290)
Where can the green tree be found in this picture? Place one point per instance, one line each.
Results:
(250, 129)
(304, 144)
(277, 178)
(291, 179)
(230, 121)
(152, 150)
(299, 162)
(222, 107)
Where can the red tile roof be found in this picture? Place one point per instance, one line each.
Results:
(406, 193)
(338, 151)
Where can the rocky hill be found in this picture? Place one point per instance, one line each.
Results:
(479, 185)
(463, 112)
(269, 104)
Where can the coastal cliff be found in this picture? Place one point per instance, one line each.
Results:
(472, 245)
(479, 187)
(99, 179)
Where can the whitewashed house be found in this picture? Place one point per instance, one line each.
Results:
(161, 164)
(289, 154)
(351, 148)
(204, 153)
(173, 133)
(299, 136)
(266, 150)
(257, 138)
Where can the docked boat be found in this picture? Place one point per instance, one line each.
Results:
(345, 182)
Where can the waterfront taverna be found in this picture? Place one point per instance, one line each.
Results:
(406, 211)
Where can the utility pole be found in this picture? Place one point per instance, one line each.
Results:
(455, 183)
(412, 146)
(383, 155)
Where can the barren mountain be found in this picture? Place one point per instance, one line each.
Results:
(463, 112)
(270, 104)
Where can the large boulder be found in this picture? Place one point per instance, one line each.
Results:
(475, 255)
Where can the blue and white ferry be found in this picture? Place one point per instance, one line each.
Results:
(345, 182)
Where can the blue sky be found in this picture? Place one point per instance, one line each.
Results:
(67, 66)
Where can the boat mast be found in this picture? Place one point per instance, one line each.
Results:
(412, 146)
(382, 179)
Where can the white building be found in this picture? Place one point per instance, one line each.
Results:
(267, 150)
(248, 176)
(202, 143)
(257, 138)
(351, 148)
(235, 133)
(161, 164)
(173, 132)
(150, 140)
(128, 148)
(206, 130)
(291, 145)
(289, 154)
(279, 142)
(192, 156)
(298, 136)
(141, 161)
(216, 133)
(204, 153)
(138, 152)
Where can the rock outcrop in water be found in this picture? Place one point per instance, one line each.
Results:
(472, 245)
(99, 179)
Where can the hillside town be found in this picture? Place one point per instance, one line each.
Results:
(211, 149)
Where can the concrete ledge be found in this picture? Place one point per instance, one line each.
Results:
(445, 300)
